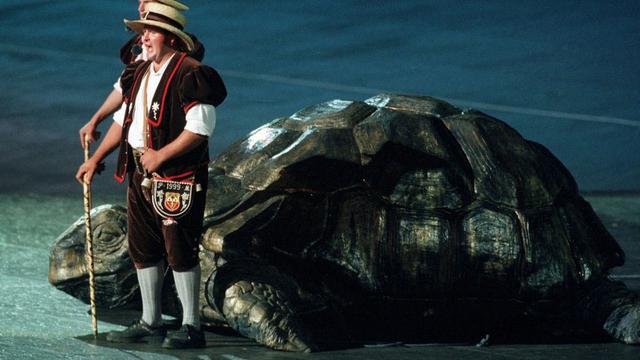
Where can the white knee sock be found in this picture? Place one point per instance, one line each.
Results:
(150, 280)
(188, 287)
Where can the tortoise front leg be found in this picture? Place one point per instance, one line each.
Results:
(259, 302)
(262, 312)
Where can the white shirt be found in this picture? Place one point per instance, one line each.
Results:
(201, 118)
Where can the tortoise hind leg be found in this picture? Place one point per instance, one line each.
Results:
(262, 312)
(615, 309)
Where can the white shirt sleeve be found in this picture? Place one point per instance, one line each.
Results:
(118, 116)
(117, 86)
(201, 119)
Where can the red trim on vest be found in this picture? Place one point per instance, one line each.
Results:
(119, 179)
(177, 176)
(128, 118)
(190, 105)
(135, 83)
(166, 90)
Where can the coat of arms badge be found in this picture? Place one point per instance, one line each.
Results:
(172, 199)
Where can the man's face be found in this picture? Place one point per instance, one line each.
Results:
(153, 40)
(142, 6)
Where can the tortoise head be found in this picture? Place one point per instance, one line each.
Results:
(116, 283)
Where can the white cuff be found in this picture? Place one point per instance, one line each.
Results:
(201, 119)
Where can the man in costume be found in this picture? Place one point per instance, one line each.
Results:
(162, 130)
(131, 52)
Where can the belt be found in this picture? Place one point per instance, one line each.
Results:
(136, 160)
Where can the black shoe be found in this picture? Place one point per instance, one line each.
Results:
(138, 331)
(187, 337)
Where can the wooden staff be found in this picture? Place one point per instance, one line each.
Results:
(86, 189)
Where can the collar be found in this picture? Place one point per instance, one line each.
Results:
(152, 70)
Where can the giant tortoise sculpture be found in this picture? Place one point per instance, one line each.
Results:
(396, 218)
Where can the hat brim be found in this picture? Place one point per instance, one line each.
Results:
(138, 26)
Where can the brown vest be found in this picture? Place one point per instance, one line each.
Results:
(177, 92)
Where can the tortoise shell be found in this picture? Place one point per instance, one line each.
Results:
(406, 196)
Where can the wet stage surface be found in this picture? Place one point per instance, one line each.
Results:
(231, 348)
(224, 344)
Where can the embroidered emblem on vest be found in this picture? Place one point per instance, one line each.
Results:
(155, 107)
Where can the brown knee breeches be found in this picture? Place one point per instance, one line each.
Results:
(150, 240)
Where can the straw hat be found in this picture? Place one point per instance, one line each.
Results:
(175, 4)
(165, 17)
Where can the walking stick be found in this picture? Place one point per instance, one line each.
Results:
(86, 189)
